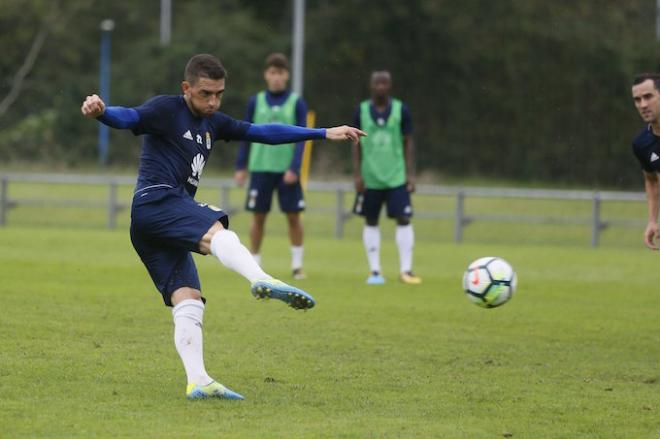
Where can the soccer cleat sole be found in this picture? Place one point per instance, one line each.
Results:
(375, 280)
(219, 391)
(292, 296)
(409, 281)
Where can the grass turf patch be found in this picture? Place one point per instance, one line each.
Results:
(87, 344)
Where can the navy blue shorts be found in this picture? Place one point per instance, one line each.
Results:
(369, 202)
(166, 225)
(260, 193)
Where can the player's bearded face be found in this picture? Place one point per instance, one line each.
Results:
(204, 97)
(647, 101)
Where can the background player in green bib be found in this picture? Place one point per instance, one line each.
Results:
(384, 174)
(275, 168)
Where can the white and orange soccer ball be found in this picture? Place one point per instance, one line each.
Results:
(489, 282)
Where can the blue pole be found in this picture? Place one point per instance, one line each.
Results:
(104, 88)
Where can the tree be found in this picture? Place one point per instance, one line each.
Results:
(524, 90)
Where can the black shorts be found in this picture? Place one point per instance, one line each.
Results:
(260, 193)
(166, 225)
(370, 202)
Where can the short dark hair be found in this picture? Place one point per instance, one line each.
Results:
(655, 77)
(204, 66)
(381, 72)
(277, 60)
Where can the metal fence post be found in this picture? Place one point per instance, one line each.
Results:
(225, 190)
(4, 202)
(460, 216)
(112, 205)
(596, 225)
(339, 224)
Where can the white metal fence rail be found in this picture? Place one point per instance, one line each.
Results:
(342, 215)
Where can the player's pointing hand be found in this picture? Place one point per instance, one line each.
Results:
(344, 132)
(93, 106)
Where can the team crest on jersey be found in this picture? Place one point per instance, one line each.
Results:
(208, 140)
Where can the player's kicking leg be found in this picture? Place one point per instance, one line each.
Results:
(276, 289)
(225, 245)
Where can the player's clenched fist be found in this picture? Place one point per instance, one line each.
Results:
(93, 106)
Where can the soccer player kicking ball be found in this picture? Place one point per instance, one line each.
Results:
(167, 223)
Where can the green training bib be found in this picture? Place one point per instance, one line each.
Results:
(382, 162)
(272, 158)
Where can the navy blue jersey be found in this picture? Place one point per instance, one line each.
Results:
(166, 222)
(646, 148)
(381, 117)
(176, 144)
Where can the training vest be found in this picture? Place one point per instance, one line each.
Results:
(382, 162)
(269, 158)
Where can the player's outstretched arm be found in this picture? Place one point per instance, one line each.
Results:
(115, 117)
(344, 132)
(273, 133)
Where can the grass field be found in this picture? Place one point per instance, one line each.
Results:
(86, 345)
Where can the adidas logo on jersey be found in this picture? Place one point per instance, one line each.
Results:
(188, 135)
(654, 157)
